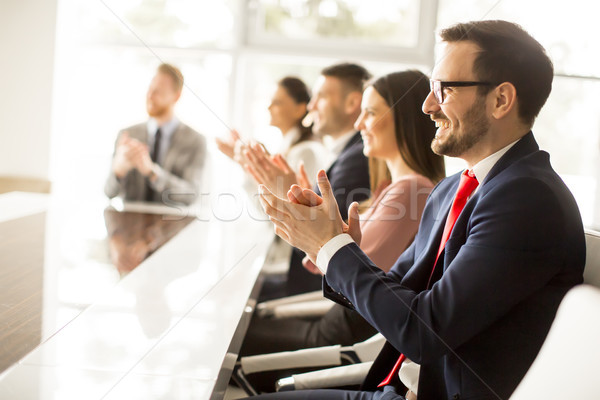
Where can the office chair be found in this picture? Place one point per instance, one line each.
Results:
(359, 356)
(591, 273)
(304, 305)
(570, 356)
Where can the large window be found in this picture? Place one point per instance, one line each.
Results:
(377, 28)
(233, 51)
(376, 22)
(567, 29)
(156, 23)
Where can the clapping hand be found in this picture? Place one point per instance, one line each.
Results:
(310, 266)
(227, 145)
(131, 154)
(271, 171)
(306, 220)
(139, 156)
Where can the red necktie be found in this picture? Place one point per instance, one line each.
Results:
(467, 185)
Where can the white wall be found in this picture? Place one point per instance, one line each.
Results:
(27, 36)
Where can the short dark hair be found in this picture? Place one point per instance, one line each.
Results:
(353, 76)
(174, 73)
(508, 54)
(404, 92)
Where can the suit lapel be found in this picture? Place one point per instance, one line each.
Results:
(522, 148)
(353, 140)
(527, 145)
(417, 277)
(175, 144)
(442, 216)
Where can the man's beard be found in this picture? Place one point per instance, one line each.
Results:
(333, 124)
(156, 111)
(474, 127)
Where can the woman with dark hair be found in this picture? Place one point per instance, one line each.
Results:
(287, 109)
(287, 115)
(396, 132)
(397, 138)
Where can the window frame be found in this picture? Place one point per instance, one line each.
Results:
(421, 53)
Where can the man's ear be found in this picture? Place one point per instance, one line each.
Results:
(504, 100)
(178, 95)
(352, 103)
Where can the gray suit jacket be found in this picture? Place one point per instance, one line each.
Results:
(178, 178)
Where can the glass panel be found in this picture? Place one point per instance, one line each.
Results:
(568, 29)
(174, 23)
(568, 131)
(381, 22)
(568, 128)
(257, 87)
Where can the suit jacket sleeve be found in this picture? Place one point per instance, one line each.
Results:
(499, 263)
(349, 178)
(402, 265)
(113, 186)
(380, 243)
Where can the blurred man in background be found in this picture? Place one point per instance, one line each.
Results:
(160, 160)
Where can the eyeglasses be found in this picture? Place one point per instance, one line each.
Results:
(437, 87)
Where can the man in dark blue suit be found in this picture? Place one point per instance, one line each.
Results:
(472, 299)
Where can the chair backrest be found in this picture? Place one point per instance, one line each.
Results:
(568, 363)
(370, 348)
(591, 274)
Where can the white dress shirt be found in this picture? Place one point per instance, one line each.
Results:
(288, 139)
(311, 153)
(481, 169)
(335, 146)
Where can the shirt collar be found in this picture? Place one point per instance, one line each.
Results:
(483, 167)
(335, 146)
(289, 138)
(167, 129)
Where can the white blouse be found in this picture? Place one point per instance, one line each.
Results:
(314, 155)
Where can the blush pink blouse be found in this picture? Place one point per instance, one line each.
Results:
(390, 224)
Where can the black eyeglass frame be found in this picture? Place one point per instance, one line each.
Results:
(437, 87)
